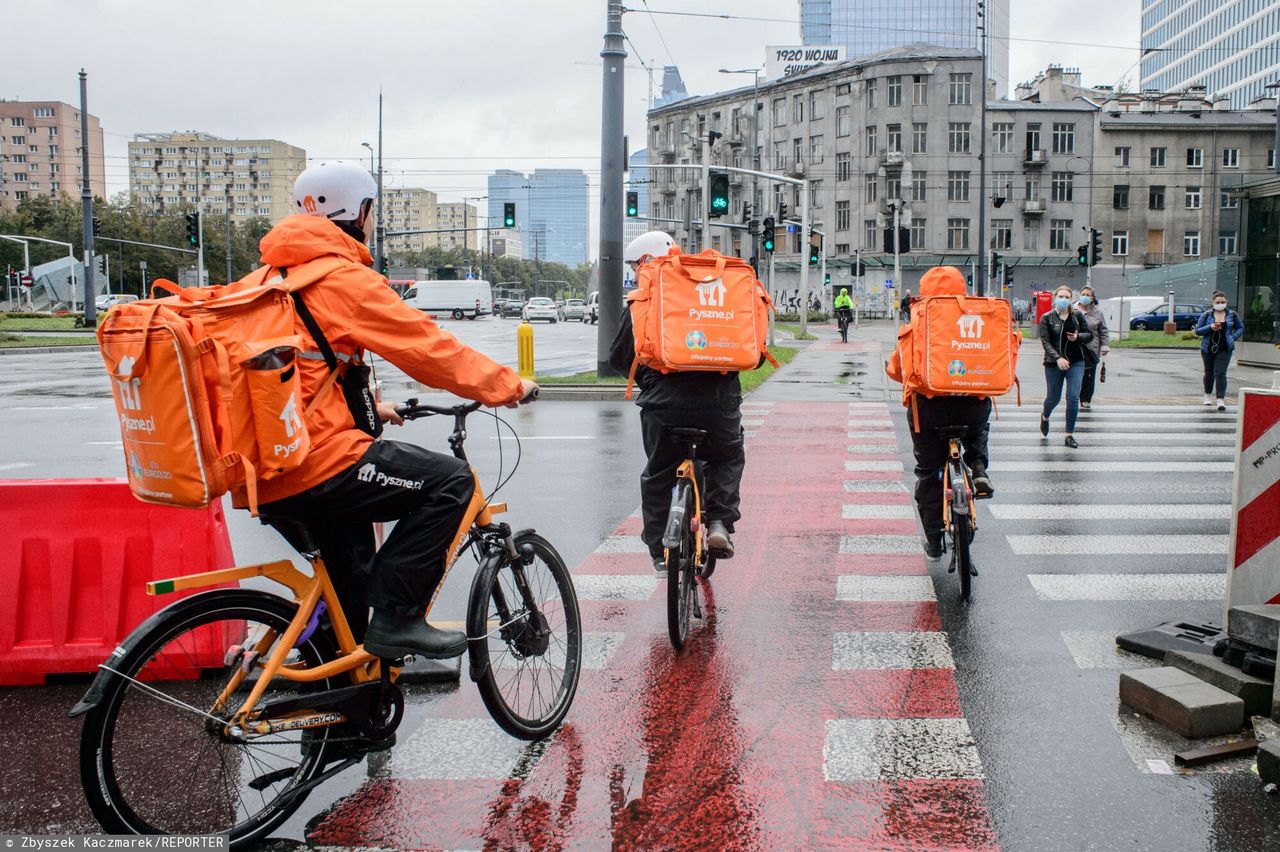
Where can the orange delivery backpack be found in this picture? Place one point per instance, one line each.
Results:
(206, 385)
(699, 312)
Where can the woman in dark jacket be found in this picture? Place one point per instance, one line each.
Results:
(1219, 329)
(1065, 336)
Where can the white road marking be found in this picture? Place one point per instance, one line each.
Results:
(104, 443)
(73, 407)
(614, 587)
(874, 485)
(899, 750)
(622, 544)
(524, 438)
(873, 465)
(881, 544)
(1214, 437)
(16, 465)
(1179, 468)
(597, 648)
(1129, 587)
(1091, 544)
(902, 649)
(1111, 511)
(1097, 649)
(906, 587)
(857, 449)
(859, 511)
(1058, 449)
(880, 435)
(1196, 414)
(457, 749)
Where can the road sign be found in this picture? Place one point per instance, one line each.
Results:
(791, 229)
(26, 280)
(888, 284)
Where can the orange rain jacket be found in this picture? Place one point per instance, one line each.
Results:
(356, 310)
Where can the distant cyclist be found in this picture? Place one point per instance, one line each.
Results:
(704, 400)
(844, 313)
(350, 481)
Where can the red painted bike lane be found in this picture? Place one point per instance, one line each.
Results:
(814, 707)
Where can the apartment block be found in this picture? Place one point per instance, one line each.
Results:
(409, 209)
(40, 152)
(458, 215)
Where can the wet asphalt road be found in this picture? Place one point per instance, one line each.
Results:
(830, 698)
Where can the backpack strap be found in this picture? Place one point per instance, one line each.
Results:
(311, 273)
(631, 376)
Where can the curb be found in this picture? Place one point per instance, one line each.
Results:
(49, 350)
(583, 392)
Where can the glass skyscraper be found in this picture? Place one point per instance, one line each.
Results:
(870, 26)
(1231, 47)
(551, 211)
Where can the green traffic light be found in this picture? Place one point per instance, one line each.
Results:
(768, 245)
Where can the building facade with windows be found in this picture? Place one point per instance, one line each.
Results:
(408, 209)
(458, 215)
(248, 178)
(551, 211)
(40, 152)
(1227, 47)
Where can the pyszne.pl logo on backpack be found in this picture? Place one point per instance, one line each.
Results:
(970, 337)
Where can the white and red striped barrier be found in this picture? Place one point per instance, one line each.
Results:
(1255, 508)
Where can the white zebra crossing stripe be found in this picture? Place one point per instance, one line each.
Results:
(1180, 468)
(881, 544)
(892, 465)
(1209, 438)
(907, 587)
(1199, 414)
(1117, 545)
(455, 750)
(622, 544)
(597, 648)
(1112, 511)
(899, 750)
(871, 435)
(1097, 649)
(614, 587)
(874, 485)
(1129, 587)
(1058, 449)
(858, 449)
(891, 650)
(861, 511)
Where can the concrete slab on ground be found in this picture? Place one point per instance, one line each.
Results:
(1181, 701)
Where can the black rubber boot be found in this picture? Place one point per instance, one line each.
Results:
(718, 540)
(391, 638)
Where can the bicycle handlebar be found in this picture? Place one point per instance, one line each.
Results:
(411, 409)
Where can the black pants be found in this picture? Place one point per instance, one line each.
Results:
(723, 456)
(931, 448)
(427, 495)
(1215, 371)
(1088, 382)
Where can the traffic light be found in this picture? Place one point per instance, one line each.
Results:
(509, 213)
(828, 281)
(859, 269)
(386, 264)
(746, 212)
(904, 240)
(97, 226)
(815, 249)
(633, 205)
(719, 198)
(1008, 277)
(1095, 243)
(1082, 255)
(995, 266)
(782, 212)
(768, 233)
(968, 281)
(193, 228)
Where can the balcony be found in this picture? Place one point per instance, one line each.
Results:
(1035, 157)
(891, 160)
(737, 140)
(667, 151)
(796, 169)
(1033, 206)
(1155, 258)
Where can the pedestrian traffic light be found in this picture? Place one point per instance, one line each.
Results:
(1008, 277)
(386, 264)
(193, 228)
(815, 249)
(1095, 243)
(97, 226)
(719, 197)
(509, 214)
(968, 281)
(1082, 255)
(995, 266)
(633, 204)
(768, 233)
(828, 279)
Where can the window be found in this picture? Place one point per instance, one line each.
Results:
(919, 89)
(1033, 187)
(1059, 234)
(893, 137)
(1002, 233)
(779, 112)
(1231, 158)
(1064, 138)
(919, 186)
(843, 248)
(797, 109)
(1158, 157)
(53, 150)
(1155, 198)
(797, 150)
(1195, 158)
(1229, 201)
(957, 186)
(171, 150)
(844, 167)
(1061, 186)
(961, 91)
(1120, 196)
(815, 149)
(53, 131)
(893, 187)
(872, 147)
(1030, 233)
(1120, 243)
(958, 231)
(17, 140)
(842, 215)
(1191, 243)
(1002, 185)
(1033, 138)
(1003, 131)
(917, 234)
(1227, 243)
(17, 121)
(18, 158)
(20, 178)
(1193, 198)
(815, 194)
(1271, 158)
(779, 157)
(844, 125)
(43, 112)
(817, 106)
(871, 193)
(958, 137)
(842, 89)
(893, 90)
(919, 138)
(869, 234)
(871, 94)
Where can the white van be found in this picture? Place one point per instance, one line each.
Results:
(458, 299)
(592, 314)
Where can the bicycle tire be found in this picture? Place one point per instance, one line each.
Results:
(487, 589)
(680, 569)
(98, 775)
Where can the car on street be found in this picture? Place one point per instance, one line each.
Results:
(458, 299)
(1184, 316)
(541, 308)
(574, 309)
(510, 308)
(109, 301)
(593, 307)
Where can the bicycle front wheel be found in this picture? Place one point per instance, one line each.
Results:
(680, 570)
(526, 637)
(155, 754)
(960, 540)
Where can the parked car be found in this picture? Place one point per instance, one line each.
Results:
(574, 309)
(541, 308)
(109, 301)
(593, 307)
(1184, 316)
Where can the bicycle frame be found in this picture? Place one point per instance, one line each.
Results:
(688, 470)
(955, 458)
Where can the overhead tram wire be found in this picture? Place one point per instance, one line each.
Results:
(656, 29)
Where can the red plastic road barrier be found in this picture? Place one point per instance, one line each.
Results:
(77, 555)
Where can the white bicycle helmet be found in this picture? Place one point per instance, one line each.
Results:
(649, 244)
(334, 190)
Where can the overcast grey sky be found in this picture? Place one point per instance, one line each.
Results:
(469, 86)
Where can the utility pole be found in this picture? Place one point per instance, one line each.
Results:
(86, 205)
(704, 232)
(897, 256)
(380, 233)
(804, 260)
(980, 281)
(227, 176)
(614, 55)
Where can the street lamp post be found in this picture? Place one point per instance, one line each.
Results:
(755, 159)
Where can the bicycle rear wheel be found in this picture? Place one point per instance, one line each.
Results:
(155, 756)
(680, 570)
(526, 635)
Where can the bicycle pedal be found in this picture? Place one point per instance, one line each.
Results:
(973, 570)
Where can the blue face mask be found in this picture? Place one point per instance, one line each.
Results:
(1062, 304)
(1086, 300)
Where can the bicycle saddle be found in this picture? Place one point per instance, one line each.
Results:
(687, 433)
(293, 531)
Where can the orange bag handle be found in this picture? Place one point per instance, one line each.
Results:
(163, 285)
(681, 262)
(148, 318)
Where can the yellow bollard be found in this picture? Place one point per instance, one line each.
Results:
(524, 349)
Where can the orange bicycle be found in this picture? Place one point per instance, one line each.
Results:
(246, 700)
(684, 541)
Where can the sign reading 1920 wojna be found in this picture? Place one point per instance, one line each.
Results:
(784, 61)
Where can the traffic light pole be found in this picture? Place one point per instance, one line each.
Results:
(614, 54)
(804, 262)
(86, 204)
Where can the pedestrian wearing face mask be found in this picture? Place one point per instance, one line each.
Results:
(1065, 336)
(1097, 348)
(1219, 329)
